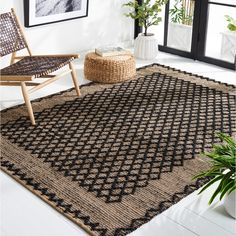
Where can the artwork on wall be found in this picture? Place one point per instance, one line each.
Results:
(40, 12)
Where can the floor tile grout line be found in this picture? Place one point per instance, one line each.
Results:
(178, 223)
(205, 218)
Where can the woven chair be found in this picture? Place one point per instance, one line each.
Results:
(24, 69)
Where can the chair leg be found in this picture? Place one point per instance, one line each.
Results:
(27, 102)
(74, 78)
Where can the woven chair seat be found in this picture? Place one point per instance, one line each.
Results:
(36, 65)
(22, 72)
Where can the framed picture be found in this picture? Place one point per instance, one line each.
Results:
(40, 12)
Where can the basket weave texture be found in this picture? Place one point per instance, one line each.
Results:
(111, 69)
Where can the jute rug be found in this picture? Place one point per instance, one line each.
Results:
(119, 155)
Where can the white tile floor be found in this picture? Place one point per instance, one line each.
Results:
(23, 214)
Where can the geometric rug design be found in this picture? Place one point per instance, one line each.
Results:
(115, 143)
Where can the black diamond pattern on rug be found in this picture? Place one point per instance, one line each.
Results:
(114, 141)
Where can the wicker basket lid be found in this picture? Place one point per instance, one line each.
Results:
(96, 57)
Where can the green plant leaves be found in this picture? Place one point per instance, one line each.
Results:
(226, 189)
(231, 23)
(223, 167)
(147, 13)
(179, 14)
(210, 183)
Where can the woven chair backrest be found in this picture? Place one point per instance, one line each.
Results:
(11, 37)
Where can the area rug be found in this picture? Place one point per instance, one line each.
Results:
(119, 155)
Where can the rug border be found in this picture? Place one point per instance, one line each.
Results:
(90, 227)
(190, 73)
(29, 183)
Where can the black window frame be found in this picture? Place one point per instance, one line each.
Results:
(199, 34)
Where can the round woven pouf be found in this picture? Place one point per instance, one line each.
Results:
(112, 69)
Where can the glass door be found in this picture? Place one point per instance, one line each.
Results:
(179, 27)
(218, 41)
(180, 24)
(202, 29)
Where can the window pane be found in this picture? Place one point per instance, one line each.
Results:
(158, 30)
(180, 24)
(221, 42)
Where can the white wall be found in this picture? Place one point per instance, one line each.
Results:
(105, 25)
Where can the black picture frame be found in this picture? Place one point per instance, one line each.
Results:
(31, 19)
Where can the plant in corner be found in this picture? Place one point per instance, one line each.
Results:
(223, 170)
(147, 14)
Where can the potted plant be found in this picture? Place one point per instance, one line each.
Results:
(228, 43)
(147, 14)
(180, 25)
(222, 171)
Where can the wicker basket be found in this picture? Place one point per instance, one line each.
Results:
(111, 69)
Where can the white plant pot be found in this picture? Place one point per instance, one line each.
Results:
(228, 46)
(229, 203)
(146, 47)
(179, 36)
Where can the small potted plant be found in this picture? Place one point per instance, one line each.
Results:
(180, 25)
(228, 43)
(222, 171)
(147, 14)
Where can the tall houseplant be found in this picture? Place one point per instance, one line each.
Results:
(223, 170)
(147, 14)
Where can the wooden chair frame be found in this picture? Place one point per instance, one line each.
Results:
(23, 81)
